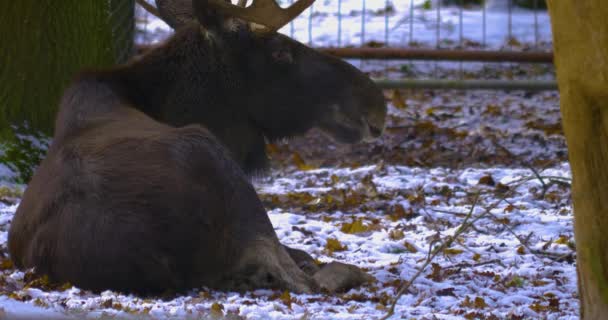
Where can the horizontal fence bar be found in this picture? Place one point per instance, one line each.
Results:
(436, 54)
(428, 54)
(526, 85)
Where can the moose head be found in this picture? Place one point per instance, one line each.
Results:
(131, 198)
(227, 68)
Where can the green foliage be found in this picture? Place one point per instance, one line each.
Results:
(530, 4)
(515, 281)
(463, 3)
(22, 154)
(427, 5)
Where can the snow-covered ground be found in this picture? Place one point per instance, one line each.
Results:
(515, 261)
(513, 257)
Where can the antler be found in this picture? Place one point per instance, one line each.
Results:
(264, 12)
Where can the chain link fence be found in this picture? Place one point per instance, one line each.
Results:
(459, 44)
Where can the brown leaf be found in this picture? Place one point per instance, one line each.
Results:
(272, 149)
(521, 250)
(356, 226)
(477, 303)
(286, 298)
(446, 292)
(539, 308)
(509, 208)
(501, 188)
(487, 180)
(548, 128)
(398, 213)
(300, 163)
(418, 198)
(396, 234)
(108, 303)
(410, 247)
(562, 240)
(492, 110)
(398, 100)
(217, 309)
(452, 251)
(335, 179)
(539, 283)
(6, 264)
(436, 273)
(334, 245)
(480, 303)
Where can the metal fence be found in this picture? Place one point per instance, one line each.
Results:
(399, 32)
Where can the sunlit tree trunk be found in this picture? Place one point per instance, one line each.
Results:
(580, 33)
(45, 42)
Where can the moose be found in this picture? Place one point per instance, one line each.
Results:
(145, 187)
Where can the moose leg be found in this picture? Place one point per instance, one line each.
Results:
(267, 264)
(338, 277)
(303, 260)
(332, 277)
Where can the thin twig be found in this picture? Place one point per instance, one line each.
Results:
(469, 222)
(536, 173)
(524, 243)
(432, 253)
(465, 226)
(474, 265)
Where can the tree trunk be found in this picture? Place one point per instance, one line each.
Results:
(45, 42)
(580, 34)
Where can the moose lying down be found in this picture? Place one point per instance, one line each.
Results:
(144, 187)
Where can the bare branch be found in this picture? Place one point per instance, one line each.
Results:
(432, 253)
(149, 8)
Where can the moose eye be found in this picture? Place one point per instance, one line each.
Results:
(282, 56)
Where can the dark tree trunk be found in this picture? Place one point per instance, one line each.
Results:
(45, 42)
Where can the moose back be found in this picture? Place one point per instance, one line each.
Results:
(144, 187)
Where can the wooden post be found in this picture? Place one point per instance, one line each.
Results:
(580, 34)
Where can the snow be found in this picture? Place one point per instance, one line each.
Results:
(5, 173)
(486, 261)
(320, 25)
(516, 262)
(12, 309)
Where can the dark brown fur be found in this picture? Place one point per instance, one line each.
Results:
(135, 195)
(124, 202)
(248, 88)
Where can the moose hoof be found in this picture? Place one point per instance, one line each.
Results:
(304, 261)
(339, 277)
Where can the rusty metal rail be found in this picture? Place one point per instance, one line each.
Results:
(440, 55)
(525, 85)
